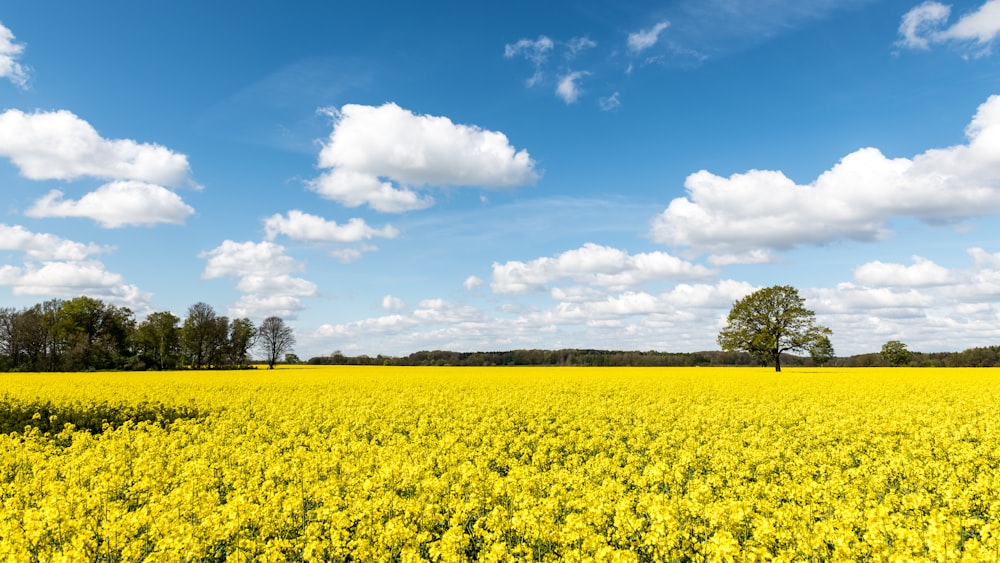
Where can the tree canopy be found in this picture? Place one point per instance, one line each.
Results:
(84, 333)
(771, 321)
(896, 353)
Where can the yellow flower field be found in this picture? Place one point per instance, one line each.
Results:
(500, 464)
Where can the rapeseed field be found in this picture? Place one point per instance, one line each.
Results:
(501, 464)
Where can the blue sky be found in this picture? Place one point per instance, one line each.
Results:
(401, 176)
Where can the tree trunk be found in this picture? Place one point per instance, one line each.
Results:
(777, 361)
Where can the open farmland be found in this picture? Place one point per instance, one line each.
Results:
(495, 464)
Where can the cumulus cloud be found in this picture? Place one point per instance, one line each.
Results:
(58, 145)
(117, 204)
(921, 303)
(263, 270)
(472, 283)
(10, 52)
(579, 317)
(762, 210)
(45, 246)
(644, 39)
(391, 303)
(847, 297)
(298, 225)
(66, 279)
(924, 26)
(983, 259)
(380, 155)
(594, 265)
(922, 273)
(569, 86)
(57, 267)
(257, 306)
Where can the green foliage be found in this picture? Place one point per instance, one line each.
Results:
(158, 340)
(86, 334)
(895, 353)
(771, 321)
(821, 351)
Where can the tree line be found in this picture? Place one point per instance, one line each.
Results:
(86, 334)
(564, 357)
(988, 356)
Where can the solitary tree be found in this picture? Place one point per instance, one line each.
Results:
(895, 353)
(770, 321)
(275, 338)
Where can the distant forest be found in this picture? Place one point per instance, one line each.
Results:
(86, 334)
(973, 357)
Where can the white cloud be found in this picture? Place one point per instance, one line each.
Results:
(762, 209)
(379, 155)
(391, 303)
(923, 26)
(983, 25)
(569, 87)
(117, 204)
(264, 276)
(472, 283)
(927, 306)
(536, 51)
(58, 145)
(755, 256)
(441, 312)
(67, 279)
(641, 40)
(353, 189)
(282, 284)
(581, 317)
(247, 259)
(44, 246)
(62, 268)
(299, 225)
(920, 23)
(983, 259)
(10, 52)
(594, 265)
(922, 273)
(850, 298)
(262, 306)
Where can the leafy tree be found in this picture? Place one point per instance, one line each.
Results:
(78, 327)
(159, 339)
(8, 337)
(770, 321)
(895, 353)
(197, 334)
(276, 338)
(242, 337)
(95, 335)
(821, 351)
